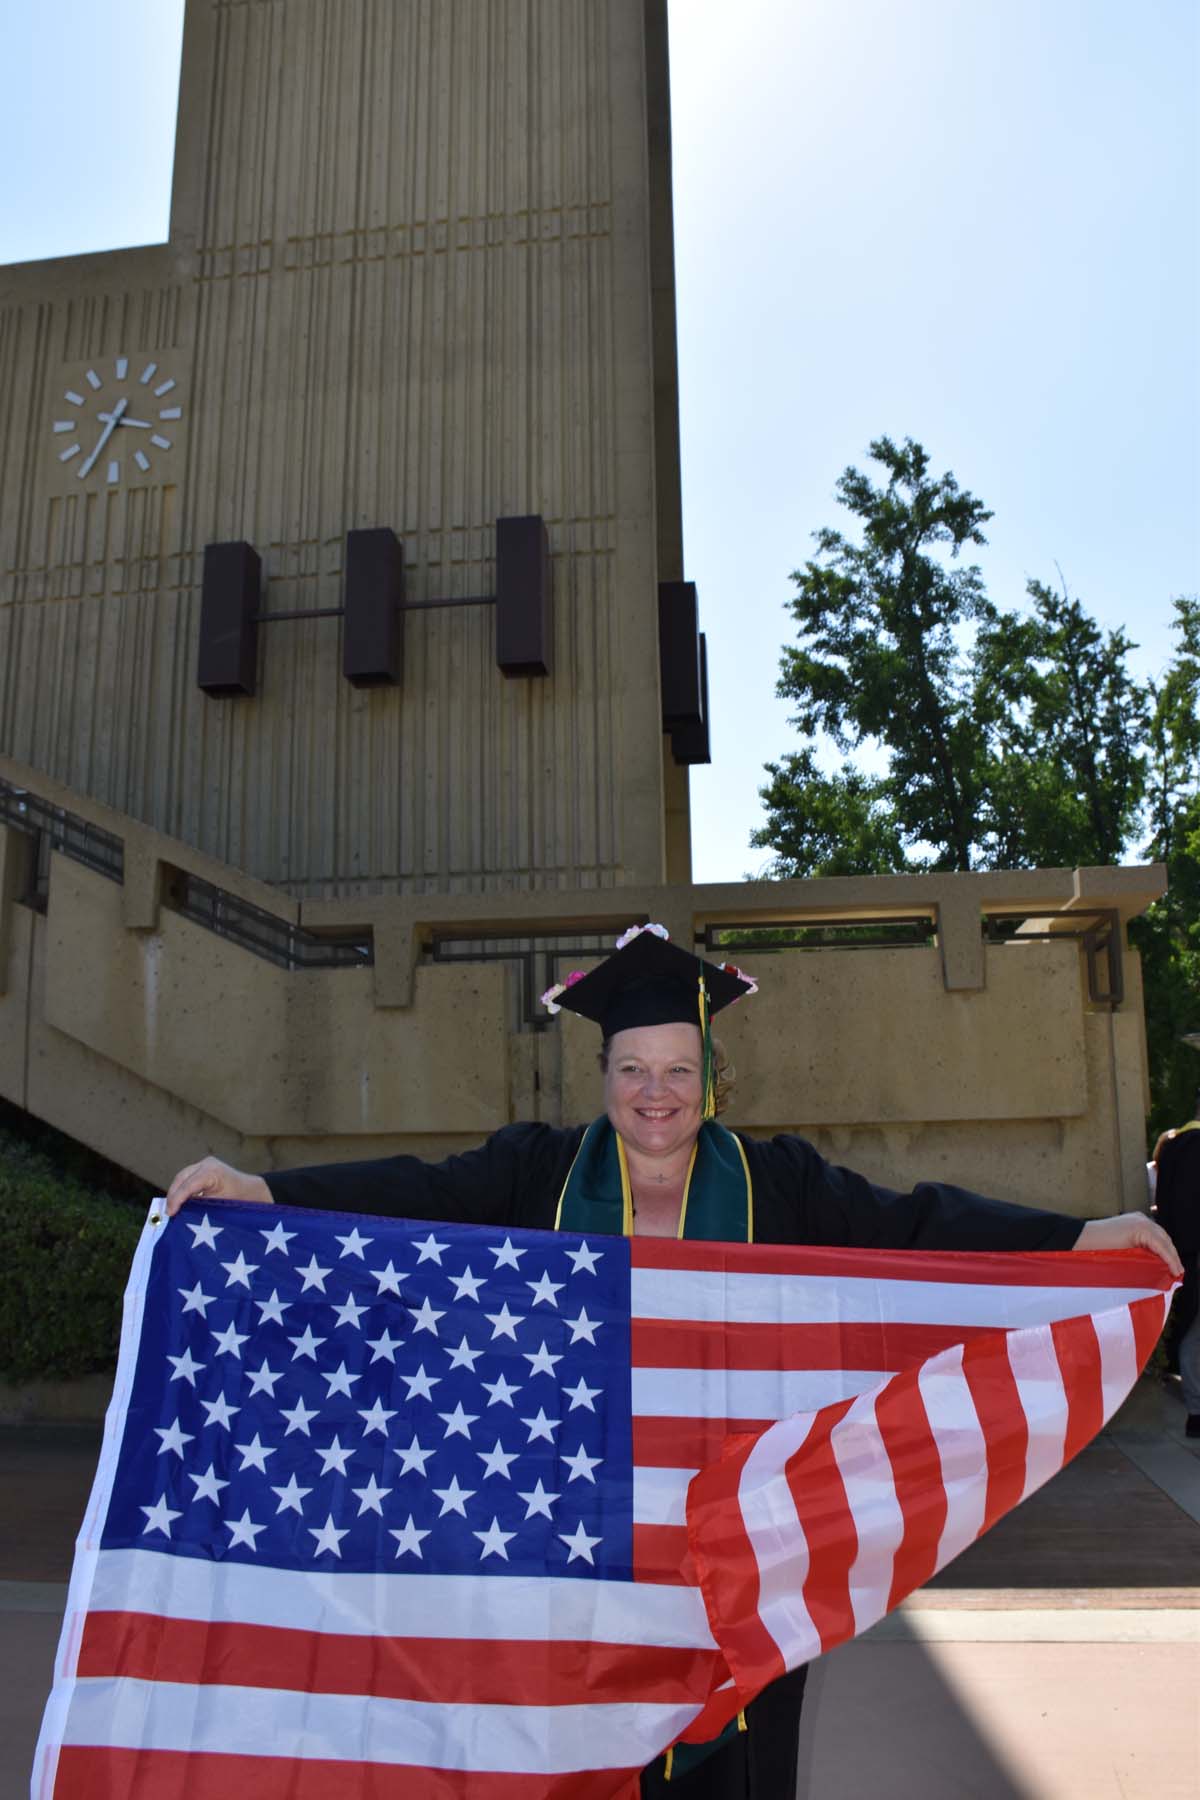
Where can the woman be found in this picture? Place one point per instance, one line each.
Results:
(657, 1163)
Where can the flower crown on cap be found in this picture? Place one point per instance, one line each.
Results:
(560, 987)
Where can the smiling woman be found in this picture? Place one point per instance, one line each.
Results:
(657, 1163)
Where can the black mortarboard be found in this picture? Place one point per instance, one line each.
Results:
(650, 981)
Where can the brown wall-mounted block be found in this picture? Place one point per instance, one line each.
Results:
(691, 743)
(229, 604)
(679, 654)
(524, 622)
(373, 622)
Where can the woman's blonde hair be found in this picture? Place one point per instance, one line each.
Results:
(725, 1073)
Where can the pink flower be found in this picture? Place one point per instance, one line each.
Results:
(627, 937)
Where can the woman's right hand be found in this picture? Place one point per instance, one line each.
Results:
(212, 1179)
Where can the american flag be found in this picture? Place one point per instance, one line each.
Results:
(393, 1508)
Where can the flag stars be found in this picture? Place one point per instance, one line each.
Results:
(239, 1271)
(581, 1466)
(313, 1275)
(540, 1361)
(459, 1422)
(173, 1438)
(306, 1344)
(544, 1290)
(219, 1411)
(496, 1460)
(159, 1517)
(493, 1541)
(466, 1286)
(375, 1418)
(254, 1454)
(208, 1485)
(185, 1368)
(385, 1348)
(243, 1530)
(420, 1386)
(425, 1318)
(329, 1538)
(388, 1279)
(205, 1233)
(349, 1312)
(504, 1323)
(369, 1497)
(542, 1427)
(500, 1392)
(354, 1243)
(506, 1257)
(196, 1300)
(298, 1418)
(579, 1544)
(340, 1381)
(538, 1502)
(333, 1457)
(583, 1260)
(272, 1310)
(263, 1379)
(229, 1342)
(289, 1497)
(413, 1458)
(409, 1539)
(464, 1357)
(431, 1250)
(583, 1327)
(454, 1498)
(581, 1395)
(277, 1238)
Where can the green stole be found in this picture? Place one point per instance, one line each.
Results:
(718, 1204)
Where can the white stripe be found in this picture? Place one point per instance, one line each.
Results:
(870, 1490)
(752, 1299)
(88, 1555)
(1118, 1357)
(1039, 1385)
(535, 1608)
(745, 1393)
(246, 1721)
(778, 1541)
(961, 1448)
(660, 1496)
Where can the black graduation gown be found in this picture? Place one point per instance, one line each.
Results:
(1177, 1204)
(516, 1177)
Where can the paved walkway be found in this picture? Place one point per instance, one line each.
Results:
(1058, 1659)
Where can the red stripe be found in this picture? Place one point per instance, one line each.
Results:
(917, 1478)
(661, 1555)
(877, 1344)
(993, 1388)
(823, 1509)
(445, 1671)
(728, 1573)
(998, 1268)
(102, 1774)
(1078, 1351)
(687, 1443)
(1149, 1317)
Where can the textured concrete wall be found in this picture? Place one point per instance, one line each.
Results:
(409, 283)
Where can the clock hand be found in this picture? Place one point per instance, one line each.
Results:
(114, 419)
(142, 424)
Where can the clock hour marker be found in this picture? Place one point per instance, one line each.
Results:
(70, 451)
(161, 443)
(122, 366)
(64, 424)
(73, 397)
(141, 459)
(114, 471)
(170, 412)
(164, 387)
(94, 378)
(147, 373)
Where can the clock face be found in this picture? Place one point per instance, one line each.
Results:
(118, 422)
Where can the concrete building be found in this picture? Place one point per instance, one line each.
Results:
(349, 676)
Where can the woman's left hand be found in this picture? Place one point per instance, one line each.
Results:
(1129, 1231)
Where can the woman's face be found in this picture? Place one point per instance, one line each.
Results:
(652, 1089)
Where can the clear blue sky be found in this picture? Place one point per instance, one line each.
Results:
(969, 221)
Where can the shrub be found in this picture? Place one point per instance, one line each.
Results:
(64, 1260)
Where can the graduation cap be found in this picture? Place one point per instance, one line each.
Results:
(650, 981)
